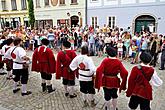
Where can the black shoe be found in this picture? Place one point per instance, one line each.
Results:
(161, 68)
(73, 96)
(66, 94)
(16, 90)
(43, 87)
(3, 73)
(50, 89)
(27, 93)
(93, 104)
(85, 103)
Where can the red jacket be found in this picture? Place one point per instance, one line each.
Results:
(43, 60)
(64, 58)
(139, 85)
(106, 74)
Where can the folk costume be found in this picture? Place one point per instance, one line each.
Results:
(86, 70)
(8, 60)
(106, 77)
(64, 58)
(139, 88)
(2, 43)
(43, 61)
(18, 55)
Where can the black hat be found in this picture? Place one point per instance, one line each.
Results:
(9, 41)
(111, 51)
(145, 57)
(66, 44)
(45, 41)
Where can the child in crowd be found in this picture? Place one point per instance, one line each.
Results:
(120, 49)
(134, 50)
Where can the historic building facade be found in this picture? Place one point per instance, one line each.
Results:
(136, 14)
(49, 13)
(13, 13)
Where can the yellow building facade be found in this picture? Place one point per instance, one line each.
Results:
(13, 13)
(49, 13)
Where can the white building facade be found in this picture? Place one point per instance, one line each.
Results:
(136, 14)
(49, 13)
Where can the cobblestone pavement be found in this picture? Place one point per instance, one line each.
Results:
(57, 100)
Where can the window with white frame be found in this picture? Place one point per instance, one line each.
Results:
(37, 3)
(3, 2)
(13, 4)
(112, 21)
(94, 0)
(94, 22)
(46, 2)
(23, 4)
(73, 1)
(62, 1)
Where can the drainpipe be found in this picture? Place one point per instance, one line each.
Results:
(86, 10)
(0, 23)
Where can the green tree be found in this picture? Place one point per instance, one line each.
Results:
(31, 13)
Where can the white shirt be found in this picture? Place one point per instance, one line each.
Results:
(155, 80)
(20, 53)
(120, 47)
(4, 51)
(88, 62)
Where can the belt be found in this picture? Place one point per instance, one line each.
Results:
(86, 75)
(85, 69)
(43, 62)
(110, 75)
(20, 62)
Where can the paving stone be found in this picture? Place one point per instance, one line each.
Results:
(57, 100)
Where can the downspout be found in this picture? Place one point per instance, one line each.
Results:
(86, 10)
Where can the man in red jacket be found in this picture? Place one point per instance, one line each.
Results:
(106, 76)
(139, 87)
(43, 61)
(64, 58)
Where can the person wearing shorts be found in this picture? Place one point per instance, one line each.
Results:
(106, 76)
(139, 87)
(86, 70)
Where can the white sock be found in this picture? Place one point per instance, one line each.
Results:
(66, 88)
(107, 104)
(85, 97)
(114, 103)
(24, 89)
(91, 97)
(43, 81)
(9, 73)
(48, 82)
(15, 86)
(71, 90)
